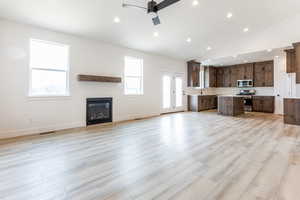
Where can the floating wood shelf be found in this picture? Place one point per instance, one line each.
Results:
(93, 78)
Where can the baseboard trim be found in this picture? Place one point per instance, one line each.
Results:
(37, 131)
(173, 112)
(67, 128)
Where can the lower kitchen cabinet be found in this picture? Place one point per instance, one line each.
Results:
(264, 104)
(199, 103)
(292, 111)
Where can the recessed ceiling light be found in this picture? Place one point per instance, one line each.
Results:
(208, 48)
(234, 56)
(246, 29)
(195, 2)
(229, 15)
(276, 56)
(155, 34)
(269, 50)
(117, 20)
(189, 40)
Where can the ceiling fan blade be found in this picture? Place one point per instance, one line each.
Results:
(126, 5)
(165, 4)
(156, 20)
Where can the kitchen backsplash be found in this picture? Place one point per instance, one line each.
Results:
(233, 91)
(229, 91)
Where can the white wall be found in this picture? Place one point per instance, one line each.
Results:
(21, 115)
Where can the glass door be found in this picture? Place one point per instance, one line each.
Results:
(172, 93)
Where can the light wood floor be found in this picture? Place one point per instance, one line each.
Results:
(183, 156)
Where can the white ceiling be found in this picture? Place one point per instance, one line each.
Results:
(206, 24)
(265, 55)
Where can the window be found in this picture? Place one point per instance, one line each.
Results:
(133, 76)
(178, 88)
(49, 69)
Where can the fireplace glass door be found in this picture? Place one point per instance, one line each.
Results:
(99, 110)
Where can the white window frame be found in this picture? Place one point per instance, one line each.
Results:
(141, 77)
(67, 93)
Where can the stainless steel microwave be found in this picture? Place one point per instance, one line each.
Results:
(244, 83)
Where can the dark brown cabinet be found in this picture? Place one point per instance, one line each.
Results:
(235, 71)
(290, 61)
(292, 111)
(220, 77)
(230, 105)
(227, 77)
(297, 61)
(199, 103)
(263, 104)
(193, 74)
(247, 71)
(264, 74)
(212, 73)
(210, 77)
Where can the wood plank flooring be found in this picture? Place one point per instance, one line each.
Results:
(182, 156)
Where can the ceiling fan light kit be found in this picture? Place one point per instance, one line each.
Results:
(153, 7)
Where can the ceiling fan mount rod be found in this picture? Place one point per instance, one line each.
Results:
(152, 7)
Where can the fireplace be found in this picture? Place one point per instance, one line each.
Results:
(98, 110)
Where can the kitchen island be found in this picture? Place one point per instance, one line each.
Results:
(292, 110)
(231, 105)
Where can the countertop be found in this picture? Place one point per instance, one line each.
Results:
(235, 96)
(291, 98)
(202, 95)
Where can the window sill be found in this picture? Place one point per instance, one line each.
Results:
(48, 98)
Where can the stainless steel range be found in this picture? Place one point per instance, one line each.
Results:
(248, 103)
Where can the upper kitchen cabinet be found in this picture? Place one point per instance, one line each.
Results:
(264, 74)
(235, 71)
(297, 61)
(290, 61)
(220, 77)
(227, 76)
(210, 77)
(247, 71)
(242, 72)
(193, 74)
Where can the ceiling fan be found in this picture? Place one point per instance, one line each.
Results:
(153, 7)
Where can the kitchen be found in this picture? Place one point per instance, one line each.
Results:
(244, 86)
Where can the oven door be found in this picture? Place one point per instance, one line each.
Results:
(248, 104)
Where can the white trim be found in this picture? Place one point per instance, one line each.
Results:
(37, 130)
(60, 127)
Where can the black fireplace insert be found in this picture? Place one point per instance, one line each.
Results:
(98, 110)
